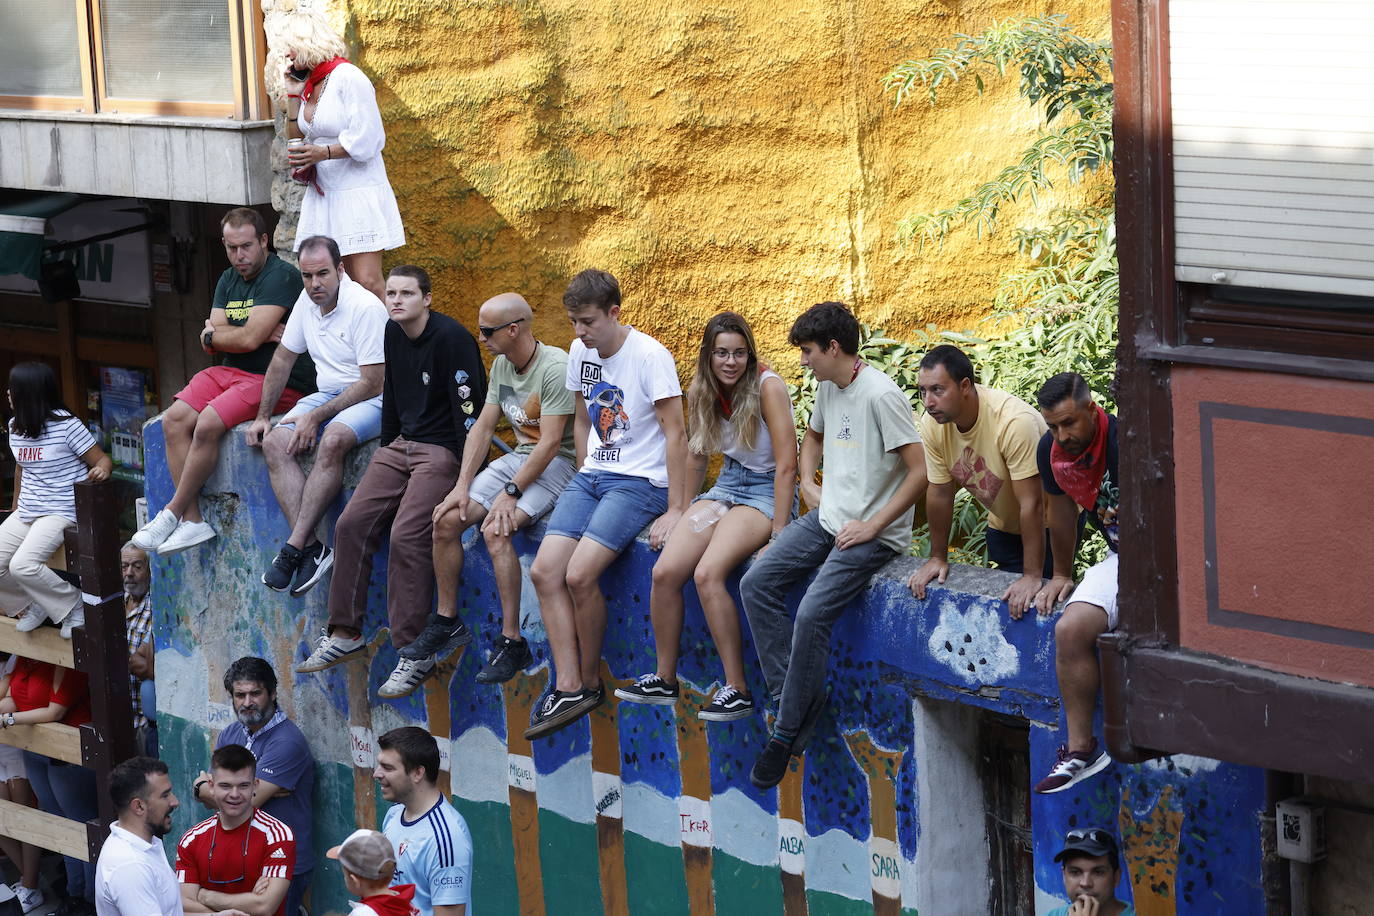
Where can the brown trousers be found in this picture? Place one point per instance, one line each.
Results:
(400, 488)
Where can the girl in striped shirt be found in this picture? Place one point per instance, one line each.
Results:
(52, 450)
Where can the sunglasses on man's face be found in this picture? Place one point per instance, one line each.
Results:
(488, 332)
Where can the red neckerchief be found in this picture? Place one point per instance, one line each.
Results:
(727, 407)
(397, 904)
(1081, 476)
(317, 75)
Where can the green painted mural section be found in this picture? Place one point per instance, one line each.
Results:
(493, 856)
(568, 863)
(655, 876)
(742, 887)
(334, 820)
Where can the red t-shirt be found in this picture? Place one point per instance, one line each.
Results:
(31, 688)
(232, 861)
(397, 904)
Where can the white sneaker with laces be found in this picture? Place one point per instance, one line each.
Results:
(186, 535)
(31, 619)
(408, 674)
(158, 529)
(30, 898)
(73, 620)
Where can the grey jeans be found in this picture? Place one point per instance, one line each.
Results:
(794, 657)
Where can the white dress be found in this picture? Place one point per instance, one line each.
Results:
(358, 209)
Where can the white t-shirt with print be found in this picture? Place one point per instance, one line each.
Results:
(348, 337)
(619, 395)
(51, 464)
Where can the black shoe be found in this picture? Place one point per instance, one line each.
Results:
(441, 637)
(508, 657)
(316, 562)
(727, 705)
(771, 766)
(284, 566)
(559, 710)
(649, 689)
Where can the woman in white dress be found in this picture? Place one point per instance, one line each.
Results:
(334, 108)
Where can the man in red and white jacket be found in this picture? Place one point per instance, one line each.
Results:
(240, 858)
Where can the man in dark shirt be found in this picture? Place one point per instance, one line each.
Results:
(252, 301)
(433, 387)
(1078, 466)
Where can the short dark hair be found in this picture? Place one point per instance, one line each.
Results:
(955, 361)
(1061, 386)
(416, 747)
(251, 668)
(592, 287)
(244, 216)
(129, 780)
(320, 241)
(418, 274)
(824, 322)
(233, 758)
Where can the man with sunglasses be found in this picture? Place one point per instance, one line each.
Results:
(433, 381)
(526, 386)
(221, 860)
(1091, 863)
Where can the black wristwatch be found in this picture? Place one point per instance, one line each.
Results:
(513, 490)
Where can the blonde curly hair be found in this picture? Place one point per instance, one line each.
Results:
(309, 34)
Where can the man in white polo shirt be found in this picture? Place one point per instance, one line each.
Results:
(341, 326)
(132, 877)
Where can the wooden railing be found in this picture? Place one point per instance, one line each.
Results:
(101, 650)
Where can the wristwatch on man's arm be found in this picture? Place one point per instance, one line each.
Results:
(513, 490)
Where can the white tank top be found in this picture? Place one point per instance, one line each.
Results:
(760, 457)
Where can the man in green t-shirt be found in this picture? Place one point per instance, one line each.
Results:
(252, 299)
(527, 387)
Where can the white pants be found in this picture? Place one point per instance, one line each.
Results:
(25, 577)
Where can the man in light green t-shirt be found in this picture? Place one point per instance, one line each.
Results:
(527, 387)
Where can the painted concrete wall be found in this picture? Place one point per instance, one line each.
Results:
(711, 155)
(648, 810)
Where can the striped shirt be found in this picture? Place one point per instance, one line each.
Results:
(232, 861)
(51, 464)
(138, 626)
(433, 852)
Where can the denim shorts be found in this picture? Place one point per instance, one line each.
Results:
(738, 486)
(364, 417)
(611, 509)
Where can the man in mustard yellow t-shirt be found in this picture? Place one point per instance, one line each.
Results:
(985, 441)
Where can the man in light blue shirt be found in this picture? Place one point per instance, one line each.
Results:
(433, 847)
(1092, 869)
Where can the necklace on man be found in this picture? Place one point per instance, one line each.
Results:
(858, 364)
(521, 370)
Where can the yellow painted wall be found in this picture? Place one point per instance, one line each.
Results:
(712, 155)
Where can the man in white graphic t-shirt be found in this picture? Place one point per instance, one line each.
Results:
(631, 447)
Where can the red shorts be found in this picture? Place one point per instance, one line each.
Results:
(234, 393)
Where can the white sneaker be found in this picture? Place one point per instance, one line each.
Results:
(73, 620)
(187, 534)
(408, 674)
(30, 898)
(158, 529)
(32, 618)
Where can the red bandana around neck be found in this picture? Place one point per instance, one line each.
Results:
(727, 406)
(317, 76)
(1081, 476)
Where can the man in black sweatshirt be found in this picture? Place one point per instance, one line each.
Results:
(433, 389)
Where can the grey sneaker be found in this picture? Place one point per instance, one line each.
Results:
(315, 564)
(408, 674)
(331, 650)
(284, 566)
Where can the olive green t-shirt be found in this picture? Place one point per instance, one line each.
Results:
(527, 397)
(279, 284)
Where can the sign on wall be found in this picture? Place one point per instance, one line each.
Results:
(114, 270)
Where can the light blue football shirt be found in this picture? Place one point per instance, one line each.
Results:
(433, 852)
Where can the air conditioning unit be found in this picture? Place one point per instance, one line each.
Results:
(1301, 828)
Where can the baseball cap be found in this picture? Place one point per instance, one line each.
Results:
(1089, 841)
(366, 853)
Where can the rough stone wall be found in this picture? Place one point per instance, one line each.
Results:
(711, 155)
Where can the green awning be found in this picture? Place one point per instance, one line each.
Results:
(24, 219)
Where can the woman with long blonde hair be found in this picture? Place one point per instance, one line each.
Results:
(331, 105)
(739, 408)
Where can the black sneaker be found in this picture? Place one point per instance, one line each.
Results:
(508, 657)
(771, 766)
(284, 566)
(316, 561)
(727, 705)
(441, 637)
(560, 709)
(649, 689)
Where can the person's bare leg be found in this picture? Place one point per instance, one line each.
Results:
(1075, 662)
(178, 423)
(448, 554)
(585, 567)
(22, 793)
(288, 480)
(742, 531)
(549, 575)
(671, 571)
(365, 267)
(323, 484)
(505, 568)
(200, 464)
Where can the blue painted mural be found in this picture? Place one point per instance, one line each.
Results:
(647, 809)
